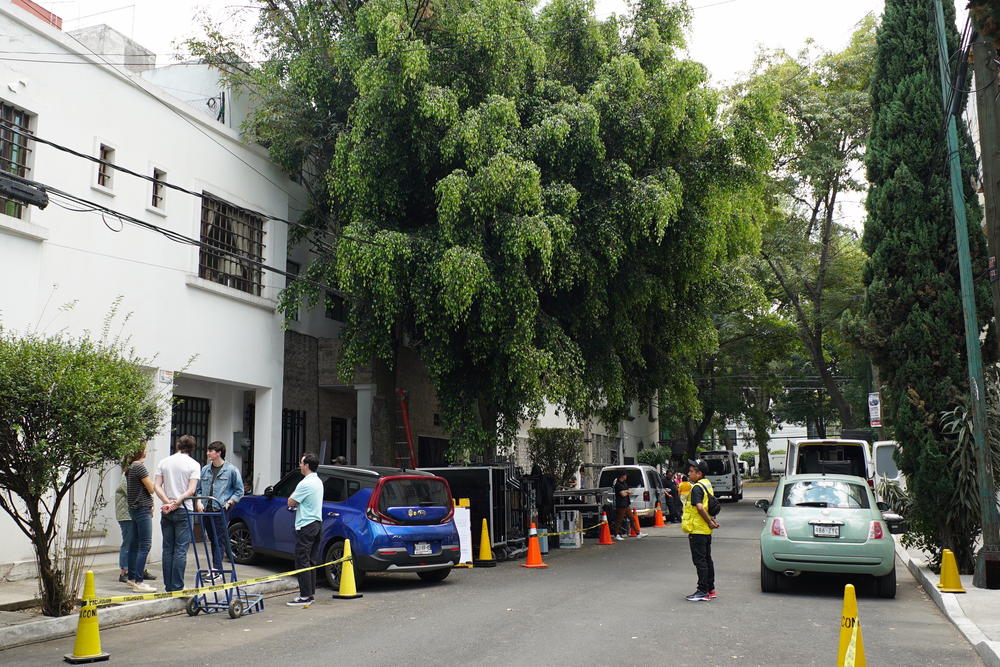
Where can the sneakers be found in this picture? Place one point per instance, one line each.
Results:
(123, 578)
(698, 596)
(300, 602)
(619, 538)
(712, 595)
(641, 535)
(142, 588)
(146, 576)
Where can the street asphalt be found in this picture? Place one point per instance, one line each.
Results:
(621, 604)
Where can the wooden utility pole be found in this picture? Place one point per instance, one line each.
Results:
(984, 54)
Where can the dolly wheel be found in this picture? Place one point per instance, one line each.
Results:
(192, 607)
(236, 608)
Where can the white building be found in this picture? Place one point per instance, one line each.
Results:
(209, 316)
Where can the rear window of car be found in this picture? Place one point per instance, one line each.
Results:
(609, 477)
(408, 492)
(718, 466)
(825, 493)
(832, 459)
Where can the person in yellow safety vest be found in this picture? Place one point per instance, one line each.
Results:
(698, 524)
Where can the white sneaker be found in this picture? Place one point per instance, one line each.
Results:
(143, 588)
(640, 536)
(619, 538)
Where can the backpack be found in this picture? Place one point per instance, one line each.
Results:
(714, 506)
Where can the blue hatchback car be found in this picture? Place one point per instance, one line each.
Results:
(397, 521)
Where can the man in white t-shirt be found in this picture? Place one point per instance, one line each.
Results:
(176, 481)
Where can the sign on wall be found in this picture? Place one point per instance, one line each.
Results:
(874, 409)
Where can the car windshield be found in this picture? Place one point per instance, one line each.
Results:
(825, 493)
(407, 492)
(718, 466)
(609, 477)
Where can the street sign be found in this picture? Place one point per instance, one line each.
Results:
(874, 409)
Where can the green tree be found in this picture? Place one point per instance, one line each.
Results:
(912, 320)
(67, 407)
(536, 201)
(556, 451)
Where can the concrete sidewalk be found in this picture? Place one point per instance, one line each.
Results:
(25, 625)
(976, 613)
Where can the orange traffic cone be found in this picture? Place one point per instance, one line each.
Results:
(605, 536)
(633, 524)
(658, 522)
(534, 558)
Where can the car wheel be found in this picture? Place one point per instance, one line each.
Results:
(768, 579)
(335, 551)
(242, 543)
(886, 585)
(435, 575)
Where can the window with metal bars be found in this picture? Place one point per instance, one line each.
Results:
(190, 417)
(105, 172)
(236, 237)
(159, 189)
(14, 151)
(293, 438)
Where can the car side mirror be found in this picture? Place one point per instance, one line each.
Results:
(763, 504)
(269, 492)
(896, 523)
(883, 506)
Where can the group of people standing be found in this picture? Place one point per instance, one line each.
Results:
(176, 480)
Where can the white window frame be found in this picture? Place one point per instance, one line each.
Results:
(95, 183)
(157, 210)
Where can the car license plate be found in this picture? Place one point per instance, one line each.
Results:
(826, 531)
(421, 548)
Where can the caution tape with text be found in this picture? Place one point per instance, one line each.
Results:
(578, 530)
(189, 592)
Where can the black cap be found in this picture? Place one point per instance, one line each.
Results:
(700, 464)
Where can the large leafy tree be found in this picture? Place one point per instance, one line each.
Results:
(913, 310)
(536, 200)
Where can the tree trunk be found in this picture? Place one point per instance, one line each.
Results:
(51, 579)
(695, 432)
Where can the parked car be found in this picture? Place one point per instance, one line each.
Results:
(827, 523)
(724, 474)
(396, 521)
(829, 455)
(645, 485)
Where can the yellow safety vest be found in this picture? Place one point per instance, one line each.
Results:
(691, 521)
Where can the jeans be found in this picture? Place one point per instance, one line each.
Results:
(306, 544)
(142, 540)
(216, 535)
(128, 528)
(701, 554)
(176, 538)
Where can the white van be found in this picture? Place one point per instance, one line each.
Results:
(645, 485)
(840, 457)
(885, 464)
(724, 474)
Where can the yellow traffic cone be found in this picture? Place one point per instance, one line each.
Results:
(851, 652)
(485, 551)
(348, 589)
(87, 647)
(950, 582)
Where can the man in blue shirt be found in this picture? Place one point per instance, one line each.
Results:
(307, 503)
(220, 480)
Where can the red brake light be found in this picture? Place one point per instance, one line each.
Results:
(645, 496)
(875, 532)
(778, 527)
(871, 483)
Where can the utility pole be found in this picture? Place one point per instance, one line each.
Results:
(986, 108)
(988, 557)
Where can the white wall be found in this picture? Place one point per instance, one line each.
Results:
(225, 341)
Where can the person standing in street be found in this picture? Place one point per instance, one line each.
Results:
(139, 500)
(699, 524)
(673, 498)
(220, 480)
(176, 481)
(307, 503)
(623, 500)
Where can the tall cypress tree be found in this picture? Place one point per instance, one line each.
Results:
(912, 322)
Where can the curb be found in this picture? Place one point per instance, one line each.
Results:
(46, 629)
(989, 651)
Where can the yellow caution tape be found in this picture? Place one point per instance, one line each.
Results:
(852, 649)
(581, 530)
(189, 592)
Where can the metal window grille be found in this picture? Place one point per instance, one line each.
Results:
(159, 189)
(105, 174)
(14, 151)
(292, 268)
(336, 307)
(236, 236)
(293, 438)
(190, 417)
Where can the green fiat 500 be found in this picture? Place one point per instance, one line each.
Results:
(827, 523)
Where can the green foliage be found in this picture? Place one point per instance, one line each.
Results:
(556, 451)
(747, 457)
(654, 456)
(539, 201)
(912, 321)
(67, 406)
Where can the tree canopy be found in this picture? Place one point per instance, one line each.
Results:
(537, 201)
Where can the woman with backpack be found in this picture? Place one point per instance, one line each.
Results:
(698, 523)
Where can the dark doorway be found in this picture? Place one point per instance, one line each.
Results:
(190, 417)
(432, 452)
(293, 438)
(338, 437)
